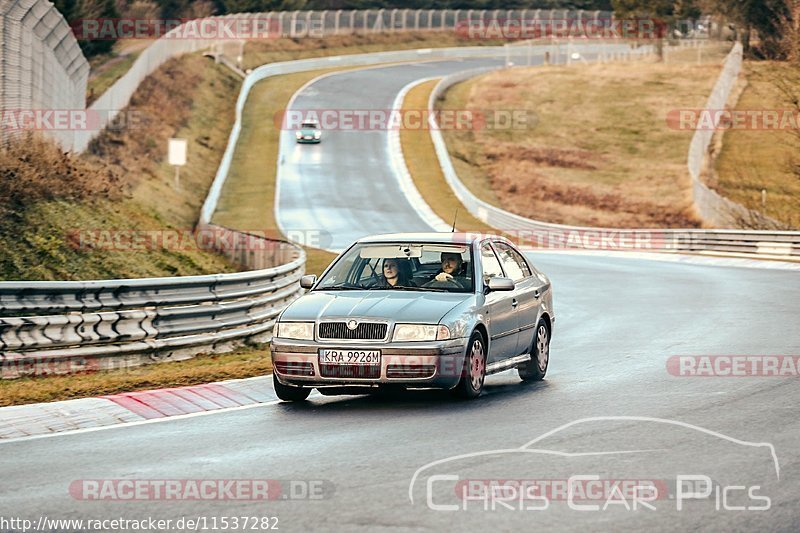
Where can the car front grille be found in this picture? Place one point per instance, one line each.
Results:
(350, 371)
(364, 331)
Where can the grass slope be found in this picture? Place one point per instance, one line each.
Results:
(600, 153)
(752, 160)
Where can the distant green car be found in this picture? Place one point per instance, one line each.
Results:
(309, 132)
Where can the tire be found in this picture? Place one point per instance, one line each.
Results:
(287, 393)
(474, 372)
(536, 368)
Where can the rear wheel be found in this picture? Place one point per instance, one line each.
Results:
(536, 368)
(474, 372)
(288, 393)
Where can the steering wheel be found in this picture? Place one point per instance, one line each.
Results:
(447, 284)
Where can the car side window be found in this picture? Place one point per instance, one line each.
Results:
(513, 262)
(491, 265)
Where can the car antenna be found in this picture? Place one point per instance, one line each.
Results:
(454, 221)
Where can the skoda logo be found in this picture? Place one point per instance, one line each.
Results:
(352, 324)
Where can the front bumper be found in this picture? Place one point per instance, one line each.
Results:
(437, 364)
(303, 140)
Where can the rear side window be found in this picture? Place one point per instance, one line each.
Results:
(515, 265)
(491, 266)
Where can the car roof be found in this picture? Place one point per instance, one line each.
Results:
(431, 237)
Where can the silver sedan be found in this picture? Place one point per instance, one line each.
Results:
(427, 310)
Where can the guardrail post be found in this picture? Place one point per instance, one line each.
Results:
(392, 19)
(293, 23)
(417, 14)
(378, 27)
(365, 20)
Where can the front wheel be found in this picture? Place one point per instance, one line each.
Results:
(288, 393)
(474, 372)
(536, 368)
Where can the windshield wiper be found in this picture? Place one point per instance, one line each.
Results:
(342, 287)
(418, 289)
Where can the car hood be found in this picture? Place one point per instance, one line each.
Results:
(394, 306)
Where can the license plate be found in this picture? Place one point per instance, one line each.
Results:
(350, 357)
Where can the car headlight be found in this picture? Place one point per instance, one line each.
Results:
(298, 134)
(317, 134)
(295, 330)
(420, 332)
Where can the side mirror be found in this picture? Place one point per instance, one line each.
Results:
(500, 284)
(308, 281)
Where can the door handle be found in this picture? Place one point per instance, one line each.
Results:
(537, 294)
(514, 302)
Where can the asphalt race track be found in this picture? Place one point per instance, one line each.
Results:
(343, 188)
(619, 321)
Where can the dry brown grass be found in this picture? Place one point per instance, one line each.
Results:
(752, 160)
(189, 98)
(600, 153)
(33, 169)
(242, 363)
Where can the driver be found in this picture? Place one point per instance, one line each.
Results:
(451, 268)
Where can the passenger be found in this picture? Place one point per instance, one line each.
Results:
(396, 273)
(451, 270)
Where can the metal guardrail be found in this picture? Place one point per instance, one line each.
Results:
(771, 244)
(73, 325)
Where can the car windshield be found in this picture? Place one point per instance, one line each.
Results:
(425, 267)
(309, 125)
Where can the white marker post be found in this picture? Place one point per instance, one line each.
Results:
(177, 157)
